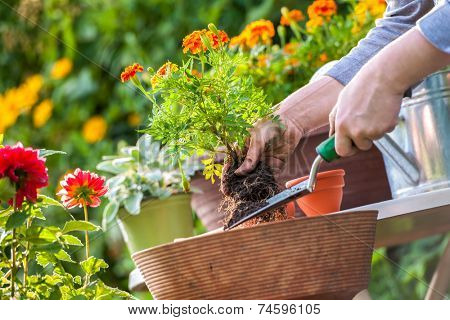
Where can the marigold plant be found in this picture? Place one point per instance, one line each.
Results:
(195, 113)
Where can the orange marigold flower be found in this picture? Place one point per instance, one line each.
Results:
(291, 47)
(217, 39)
(322, 8)
(163, 71)
(237, 41)
(263, 60)
(260, 31)
(312, 24)
(82, 189)
(131, 71)
(196, 73)
(293, 15)
(193, 42)
(323, 57)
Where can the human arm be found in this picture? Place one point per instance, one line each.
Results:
(369, 105)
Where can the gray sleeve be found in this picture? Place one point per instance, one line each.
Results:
(435, 26)
(400, 16)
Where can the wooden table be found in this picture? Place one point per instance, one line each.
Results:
(399, 221)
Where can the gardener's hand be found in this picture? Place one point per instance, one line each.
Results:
(303, 111)
(368, 107)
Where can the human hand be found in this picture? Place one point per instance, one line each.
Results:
(303, 111)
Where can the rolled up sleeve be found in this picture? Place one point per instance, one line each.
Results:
(400, 16)
(435, 26)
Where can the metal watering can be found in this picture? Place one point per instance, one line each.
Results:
(417, 152)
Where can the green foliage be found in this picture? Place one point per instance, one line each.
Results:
(197, 114)
(44, 247)
(142, 171)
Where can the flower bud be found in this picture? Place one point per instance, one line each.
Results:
(285, 12)
(213, 28)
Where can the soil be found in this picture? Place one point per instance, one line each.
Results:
(245, 194)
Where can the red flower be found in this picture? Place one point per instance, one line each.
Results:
(131, 71)
(82, 188)
(25, 169)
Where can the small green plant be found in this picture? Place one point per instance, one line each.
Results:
(204, 105)
(143, 171)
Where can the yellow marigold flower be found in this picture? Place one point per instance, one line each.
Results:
(34, 83)
(312, 24)
(322, 8)
(42, 112)
(360, 12)
(323, 57)
(293, 15)
(166, 69)
(376, 7)
(193, 42)
(61, 68)
(291, 47)
(94, 129)
(134, 119)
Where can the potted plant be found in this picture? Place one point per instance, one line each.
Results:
(146, 194)
(204, 106)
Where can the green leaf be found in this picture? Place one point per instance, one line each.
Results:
(47, 201)
(75, 225)
(71, 240)
(93, 265)
(45, 258)
(15, 220)
(63, 256)
(109, 213)
(46, 153)
(133, 203)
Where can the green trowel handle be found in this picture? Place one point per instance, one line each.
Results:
(327, 150)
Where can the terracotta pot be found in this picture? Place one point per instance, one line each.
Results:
(327, 196)
(322, 257)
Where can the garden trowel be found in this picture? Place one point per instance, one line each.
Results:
(326, 152)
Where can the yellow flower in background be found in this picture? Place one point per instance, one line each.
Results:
(312, 24)
(61, 68)
(263, 60)
(42, 112)
(291, 47)
(16, 101)
(94, 129)
(376, 7)
(134, 119)
(260, 31)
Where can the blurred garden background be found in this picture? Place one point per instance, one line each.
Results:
(60, 89)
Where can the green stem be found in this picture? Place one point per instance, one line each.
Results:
(13, 255)
(86, 240)
(25, 260)
(86, 234)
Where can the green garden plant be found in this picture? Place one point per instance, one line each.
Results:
(142, 172)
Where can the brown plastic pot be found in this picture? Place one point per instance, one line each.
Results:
(327, 196)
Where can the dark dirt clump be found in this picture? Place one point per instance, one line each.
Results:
(245, 194)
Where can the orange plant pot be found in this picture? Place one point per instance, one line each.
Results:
(326, 198)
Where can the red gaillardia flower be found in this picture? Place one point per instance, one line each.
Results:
(25, 170)
(131, 71)
(82, 189)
